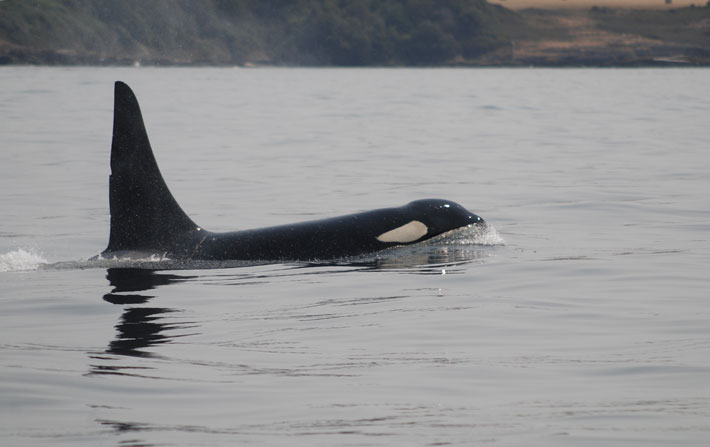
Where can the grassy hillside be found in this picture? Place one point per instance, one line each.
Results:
(606, 37)
(688, 26)
(298, 32)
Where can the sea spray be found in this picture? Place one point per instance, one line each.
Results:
(19, 260)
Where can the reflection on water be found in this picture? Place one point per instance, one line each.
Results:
(136, 280)
(139, 328)
(142, 327)
(431, 259)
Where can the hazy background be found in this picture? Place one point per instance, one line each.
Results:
(353, 33)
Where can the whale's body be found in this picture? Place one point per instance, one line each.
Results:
(145, 217)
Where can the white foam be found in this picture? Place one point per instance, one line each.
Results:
(136, 257)
(19, 260)
(489, 236)
(472, 235)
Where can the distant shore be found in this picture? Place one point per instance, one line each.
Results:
(600, 36)
(583, 33)
(587, 4)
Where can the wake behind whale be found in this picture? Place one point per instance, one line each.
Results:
(146, 218)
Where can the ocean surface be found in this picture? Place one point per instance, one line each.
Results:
(582, 318)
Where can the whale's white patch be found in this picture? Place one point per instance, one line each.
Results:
(408, 232)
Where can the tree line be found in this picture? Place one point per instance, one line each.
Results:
(291, 32)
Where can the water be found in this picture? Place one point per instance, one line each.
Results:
(584, 322)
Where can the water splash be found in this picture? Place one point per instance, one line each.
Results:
(474, 235)
(488, 236)
(21, 260)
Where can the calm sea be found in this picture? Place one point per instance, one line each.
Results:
(583, 320)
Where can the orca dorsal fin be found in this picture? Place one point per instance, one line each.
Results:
(144, 214)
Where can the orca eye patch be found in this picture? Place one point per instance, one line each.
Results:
(408, 232)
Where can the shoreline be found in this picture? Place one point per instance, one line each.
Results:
(569, 37)
(517, 5)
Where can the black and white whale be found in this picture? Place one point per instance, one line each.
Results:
(145, 217)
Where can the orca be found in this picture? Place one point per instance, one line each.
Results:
(146, 218)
